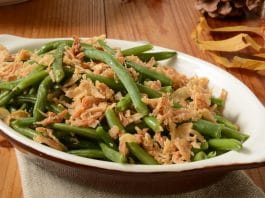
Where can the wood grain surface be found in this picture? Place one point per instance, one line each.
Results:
(166, 23)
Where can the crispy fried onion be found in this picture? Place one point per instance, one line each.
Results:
(15, 115)
(124, 138)
(176, 149)
(90, 102)
(53, 118)
(48, 138)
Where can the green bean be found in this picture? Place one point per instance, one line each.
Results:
(117, 86)
(12, 109)
(68, 73)
(66, 99)
(31, 79)
(82, 144)
(141, 154)
(31, 62)
(26, 98)
(217, 101)
(57, 65)
(33, 90)
(85, 45)
(69, 70)
(12, 84)
(85, 132)
(113, 120)
(137, 50)
(211, 154)
(124, 103)
(208, 128)
(130, 128)
(9, 85)
(89, 153)
(4, 94)
(111, 154)
(123, 76)
(230, 133)
(38, 68)
(25, 121)
(153, 123)
(157, 55)
(41, 100)
(55, 108)
(176, 105)
(22, 85)
(150, 73)
(57, 88)
(167, 89)
(24, 130)
(225, 144)
(220, 152)
(204, 146)
(150, 92)
(200, 156)
(73, 143)
(106, 48)
(23, 106)
(106, 137)
(53, 45)
(226, 122)
(141, 78)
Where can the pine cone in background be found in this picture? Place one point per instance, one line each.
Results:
(230, 8)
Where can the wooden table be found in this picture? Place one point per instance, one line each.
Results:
(163, 22)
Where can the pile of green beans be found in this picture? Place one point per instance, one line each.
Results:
(221, 137)
(30, 94)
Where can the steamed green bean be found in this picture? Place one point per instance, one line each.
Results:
(150, 73)
(158, 56)
(124, 103)
(123, 76)
(137, 50)
(89, 153)
(141, 154)
(53, 45)
(41, 100)
(85, 132)
(113, 120)
(200, 156)
(225, 144)
(208, 128)
(111, 154)
(57, 65)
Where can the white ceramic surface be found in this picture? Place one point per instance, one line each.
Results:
(242, 107)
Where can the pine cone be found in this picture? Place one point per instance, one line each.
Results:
(223, 8)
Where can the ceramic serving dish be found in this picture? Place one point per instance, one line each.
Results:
(242, 107)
